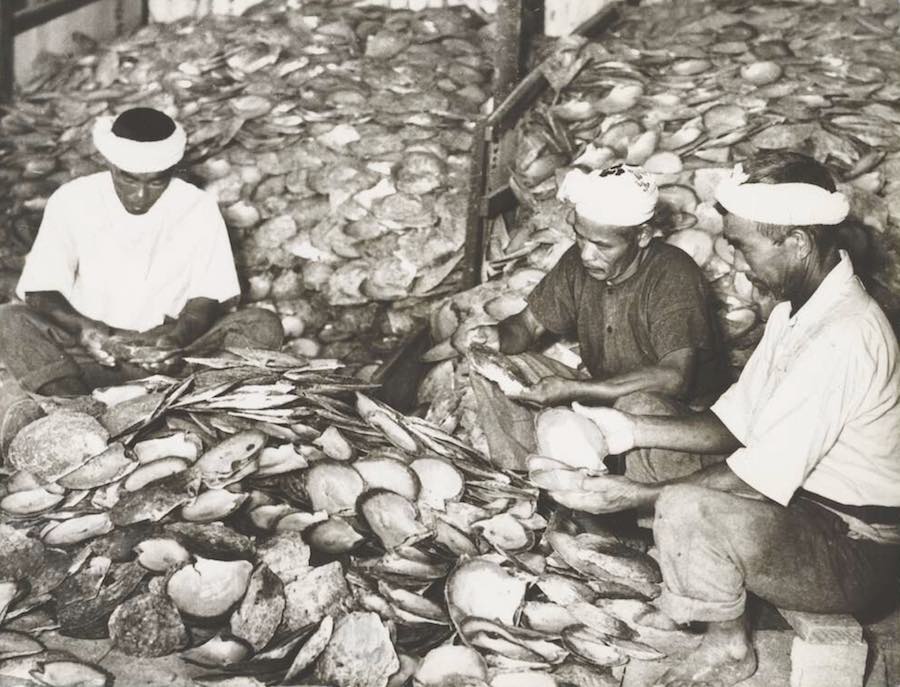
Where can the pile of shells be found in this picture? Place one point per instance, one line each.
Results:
(266, 518)
(688, 90)
(336, 139)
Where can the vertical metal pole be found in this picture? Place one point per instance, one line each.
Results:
(145, 12)
(7, 50)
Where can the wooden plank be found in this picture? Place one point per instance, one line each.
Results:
(473, 256)
(41, 14)
(510, 49)
(7, 50)
(824, 628)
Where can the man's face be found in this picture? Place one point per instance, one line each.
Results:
(139, 192)
(606, 251)
(771, 263)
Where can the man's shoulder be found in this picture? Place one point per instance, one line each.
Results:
(190, 193)
(188, 199)
(670, 260)
(75, 189)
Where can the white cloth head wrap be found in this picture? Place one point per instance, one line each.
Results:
(138, 157)
(621, 195)
(792, 204)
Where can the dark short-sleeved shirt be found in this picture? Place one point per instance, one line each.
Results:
(662, 308)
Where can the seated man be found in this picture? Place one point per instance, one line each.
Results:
(638, 307)
(131, 268)
(805, 513)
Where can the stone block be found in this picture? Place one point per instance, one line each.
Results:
(835, 665)
(824, 628)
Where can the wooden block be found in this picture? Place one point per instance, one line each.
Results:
(824, 628)
(834, 665)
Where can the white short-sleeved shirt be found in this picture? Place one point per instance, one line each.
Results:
(130, 271)
(818, 404)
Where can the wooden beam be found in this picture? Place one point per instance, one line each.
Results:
(473, 257)
(510, 48)
(7, 51)
(41, 14)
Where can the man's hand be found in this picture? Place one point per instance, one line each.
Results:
(152, 351)
(93, 337)
(617, 427)
(486, 334)
(549, 391)
(604, 494)
(159, 357)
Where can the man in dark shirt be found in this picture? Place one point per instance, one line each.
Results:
(639, 309)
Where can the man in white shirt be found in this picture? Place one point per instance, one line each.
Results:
(131, 269)
(805, 512)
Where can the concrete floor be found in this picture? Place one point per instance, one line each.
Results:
(772, 638)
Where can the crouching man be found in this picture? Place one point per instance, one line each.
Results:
(131, 269)
(639, 309)
(805, 512)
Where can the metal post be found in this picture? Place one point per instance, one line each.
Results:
(145, 12)
(7, 50)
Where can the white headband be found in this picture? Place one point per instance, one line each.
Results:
(622, 196)
(138, 157)
(792, 204)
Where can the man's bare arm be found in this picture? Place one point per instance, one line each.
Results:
(671, 377)
(195, 319)
(695, 433)
(615, 493)
(520, 332)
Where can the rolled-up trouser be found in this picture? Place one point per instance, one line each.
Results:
(36, 352)
(715, 546)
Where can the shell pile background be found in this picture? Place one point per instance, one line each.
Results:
(336, 139)
(688, 89)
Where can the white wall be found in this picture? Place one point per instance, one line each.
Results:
(102, 20)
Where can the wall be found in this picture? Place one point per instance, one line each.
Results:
(103, 20)
(561, 17)
(172, 10)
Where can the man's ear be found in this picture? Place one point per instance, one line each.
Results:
(645, 233)
(801, 241)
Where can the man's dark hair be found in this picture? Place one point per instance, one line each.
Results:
(143, 124)
(788, 167)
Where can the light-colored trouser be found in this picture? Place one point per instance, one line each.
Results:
(715, 546)
(510, 430)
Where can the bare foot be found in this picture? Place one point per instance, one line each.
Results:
(724, 658)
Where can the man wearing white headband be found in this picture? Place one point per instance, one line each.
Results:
(131, 268)
(805, 512)
(638, 308)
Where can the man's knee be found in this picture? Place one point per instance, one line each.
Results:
(646, 403)
(263, 327)
(686, 505)
(13, 314)
(14, 319)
